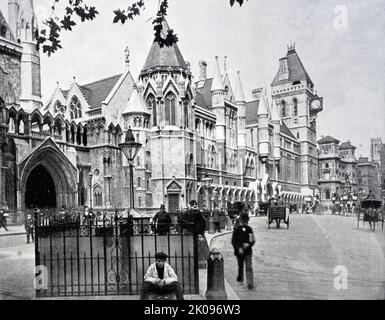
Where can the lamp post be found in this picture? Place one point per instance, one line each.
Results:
(130, 149)
(90, 184)
(207, 182)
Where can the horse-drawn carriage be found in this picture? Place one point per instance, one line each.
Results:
(371, 211)
(278, 213)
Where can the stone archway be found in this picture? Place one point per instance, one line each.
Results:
(40, 189)
(60, 174)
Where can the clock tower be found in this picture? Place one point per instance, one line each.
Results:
(298, 104)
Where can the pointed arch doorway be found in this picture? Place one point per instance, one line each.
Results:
(48, 179)
(40, 189)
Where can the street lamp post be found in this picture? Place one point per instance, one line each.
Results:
(207, 182)
(90, 184)
(130, 149)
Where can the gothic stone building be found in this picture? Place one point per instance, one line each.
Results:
(200, 138)
(337, 170)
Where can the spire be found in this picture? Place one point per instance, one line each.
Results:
(217, 81)
(136, 104)
(239, 93)
(166, 56)
(262, 108)
(224, 67)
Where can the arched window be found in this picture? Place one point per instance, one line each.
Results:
(11, 125)
(148, 185)
(21, 127)
(3, 30)
(186, 105)
(283, 109)
(139, 183)
(327, 194)
(170, 109)
(98, 197)
(138, 161)
(139, 202)
(151, 103)
(295, 107)
(75, 108)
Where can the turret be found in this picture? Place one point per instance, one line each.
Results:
(13, 14)
(30, 61)
(218, 102)
(241, 104)
(277, 129)
(263, 128)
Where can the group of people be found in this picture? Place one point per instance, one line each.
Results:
(161, 279)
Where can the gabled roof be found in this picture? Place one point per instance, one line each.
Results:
(96, 92)
(167, 56)
(297, 71)
(328, 139)
(286, 130)
(252, 112)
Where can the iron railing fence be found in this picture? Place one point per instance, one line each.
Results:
(111, 256)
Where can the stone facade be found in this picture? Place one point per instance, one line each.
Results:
(337, 171)
(200, 139)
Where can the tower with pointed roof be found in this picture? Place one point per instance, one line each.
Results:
(298, 104)
(23, 24)
(166, 79)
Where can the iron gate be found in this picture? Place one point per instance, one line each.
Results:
(108, 256)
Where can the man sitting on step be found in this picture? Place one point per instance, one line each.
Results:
(161, 280)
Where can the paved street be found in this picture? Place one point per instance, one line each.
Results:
(288, 264)
(16, 267)
(298, 263)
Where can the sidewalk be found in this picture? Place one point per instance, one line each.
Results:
(12, 231)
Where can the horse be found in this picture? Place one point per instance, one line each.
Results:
(371, 215)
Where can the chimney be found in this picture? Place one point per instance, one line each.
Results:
(202, 70)
(257, 93)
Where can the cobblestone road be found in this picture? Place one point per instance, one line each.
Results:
(299, 263)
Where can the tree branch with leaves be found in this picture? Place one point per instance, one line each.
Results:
(48, 37)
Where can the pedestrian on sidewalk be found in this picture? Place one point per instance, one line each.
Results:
(216, 214)
(29, 227)
(3, 221)
(243, 241)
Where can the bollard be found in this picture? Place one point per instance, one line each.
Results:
(215, 277)
(211, 225)
(203, 252)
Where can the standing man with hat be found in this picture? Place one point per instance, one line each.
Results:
(243, 241)
(3, 221)
(160, 279)
(29, 225)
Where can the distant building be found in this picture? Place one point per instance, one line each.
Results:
(367, 177)
(337, 169)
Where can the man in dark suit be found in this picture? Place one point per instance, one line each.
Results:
(243, 241)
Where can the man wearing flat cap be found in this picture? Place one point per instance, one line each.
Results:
(160, 279)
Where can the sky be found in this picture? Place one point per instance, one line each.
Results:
(341, 44)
